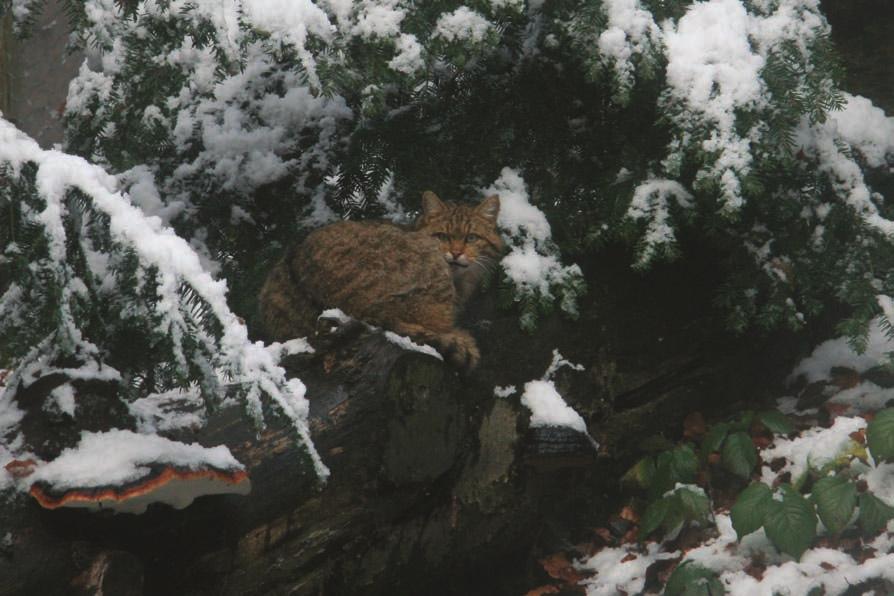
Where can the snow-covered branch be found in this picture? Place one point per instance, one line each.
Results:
(95, 266)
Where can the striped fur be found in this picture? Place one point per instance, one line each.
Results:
(413, 282)
(468, 239)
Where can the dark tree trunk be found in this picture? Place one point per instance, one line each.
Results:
(420, 482)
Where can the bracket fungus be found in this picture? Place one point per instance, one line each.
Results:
(125, 472)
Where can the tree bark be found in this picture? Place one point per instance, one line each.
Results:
(420, 481)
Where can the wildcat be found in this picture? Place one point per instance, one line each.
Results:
(412, 281)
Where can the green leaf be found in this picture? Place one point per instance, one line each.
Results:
(751, 508)
(653, 517)
(684, 464)
(874, 513)
(691, 579)
(835, 498)
(675, 516)
(776, 422)
(663, 480)
(695, 504)
(739, 455)
(679, 465)
(791, 524)
(714, 439)
(640, 475)
(880, 435)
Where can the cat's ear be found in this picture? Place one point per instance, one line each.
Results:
(489, 208)
(431, 204)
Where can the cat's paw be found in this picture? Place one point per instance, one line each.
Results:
(460, 348)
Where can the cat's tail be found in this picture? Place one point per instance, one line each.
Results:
(286, 310)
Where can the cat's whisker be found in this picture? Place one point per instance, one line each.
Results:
(485, 263)
(485, 269)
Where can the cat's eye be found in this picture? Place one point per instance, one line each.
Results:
(472, 238)
(441, 236)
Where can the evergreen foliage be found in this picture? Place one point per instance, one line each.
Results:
(95, 290)
(240, 131)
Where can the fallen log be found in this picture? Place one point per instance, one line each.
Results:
(422, 467)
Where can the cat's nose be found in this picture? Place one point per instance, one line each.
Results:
(456, 253)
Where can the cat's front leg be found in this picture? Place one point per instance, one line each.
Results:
(460, 347)
(456, 345)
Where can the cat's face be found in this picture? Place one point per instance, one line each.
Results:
(467, 234)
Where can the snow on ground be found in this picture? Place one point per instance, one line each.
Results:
(621, 568)
(880, 480)
(863, 398)
(838, 352)
(811, 450)
(752, 566)
(336, 314)
(864, 395)
(824, 568)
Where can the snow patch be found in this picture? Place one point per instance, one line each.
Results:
(811, 450)
(651, 202)
(504, 391)
(622, 570)
(532, 265)
(838, 352)
(866, 128)
(336, 314)
(408, 344)
(63, 397)
(463, 24)
(408, 56)
(169, 410)
(120, 456)
(629, 32)
(548, 408)
(177, 264)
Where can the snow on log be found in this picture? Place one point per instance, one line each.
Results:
(125, 472)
